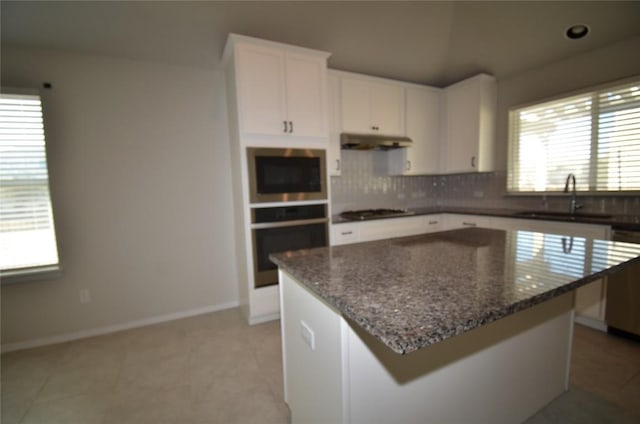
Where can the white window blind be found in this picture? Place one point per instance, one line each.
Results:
(28, 241)
(595, 136)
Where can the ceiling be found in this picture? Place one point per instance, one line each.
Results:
(434, 43)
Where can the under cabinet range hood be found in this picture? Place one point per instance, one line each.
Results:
(373, 141)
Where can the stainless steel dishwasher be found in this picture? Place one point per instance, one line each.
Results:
(623, 293)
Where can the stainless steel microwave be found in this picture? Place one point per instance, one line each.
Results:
(285, 175)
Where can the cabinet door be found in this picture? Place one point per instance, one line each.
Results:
(334, 164)
(391, 227)
(423, 127)
(469, 128)
(433, 223)
(454, 221)
(345, 233)
(462, 123)
(261, 90)
(355, 102)
(387, 108)
(306, 95)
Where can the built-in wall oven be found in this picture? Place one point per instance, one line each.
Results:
(284, 175)
(284, 228)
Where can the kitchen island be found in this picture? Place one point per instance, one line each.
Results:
(467, 325)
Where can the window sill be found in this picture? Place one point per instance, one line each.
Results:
(578, 193)
(26, 275)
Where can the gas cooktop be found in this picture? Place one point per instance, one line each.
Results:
(361, 215)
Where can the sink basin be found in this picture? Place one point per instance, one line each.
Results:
(561, 215)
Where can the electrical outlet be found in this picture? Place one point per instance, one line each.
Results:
(307, 335)
(85, 296)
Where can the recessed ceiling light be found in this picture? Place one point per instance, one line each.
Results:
(575, 32)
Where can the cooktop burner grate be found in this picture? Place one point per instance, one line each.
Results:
(360, 215)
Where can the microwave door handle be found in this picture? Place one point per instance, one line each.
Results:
(263, 225)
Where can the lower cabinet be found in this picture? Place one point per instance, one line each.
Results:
(453, 221)
(354, 232)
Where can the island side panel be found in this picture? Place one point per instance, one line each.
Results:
(312, 335)
(499, 373)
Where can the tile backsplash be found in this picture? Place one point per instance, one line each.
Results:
(364, 184)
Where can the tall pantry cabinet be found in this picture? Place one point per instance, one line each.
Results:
(276, 97)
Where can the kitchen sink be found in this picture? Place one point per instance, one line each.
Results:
(561, 215)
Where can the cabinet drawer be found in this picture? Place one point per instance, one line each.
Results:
(345, 234)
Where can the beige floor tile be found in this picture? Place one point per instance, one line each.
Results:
(72, 382)
(84, 409)
(215, 368)
(142, 405)
(238, 399)
(630, 395)
(103, 351)
(13, 409)
(155, 374)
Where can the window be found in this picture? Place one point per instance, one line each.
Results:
(28, 246)
(594, 135)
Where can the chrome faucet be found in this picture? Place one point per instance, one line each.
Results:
(573, 205)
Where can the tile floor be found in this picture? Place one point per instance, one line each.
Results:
(215, 368)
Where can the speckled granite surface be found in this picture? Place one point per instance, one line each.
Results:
(415, 291)
(620, 222)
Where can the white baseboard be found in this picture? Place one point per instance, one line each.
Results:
(591, 323)
(67, 337)
(264, 318)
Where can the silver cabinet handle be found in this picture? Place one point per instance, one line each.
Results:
(337, 164)
(346, 233)
(290, 126)
(408, 167)
(469, 224)
(285, 126)
(433, 222)
(473, 161)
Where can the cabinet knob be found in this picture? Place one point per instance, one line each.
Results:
(473, 161)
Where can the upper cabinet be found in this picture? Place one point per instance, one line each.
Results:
(469, 125)
(334, 163)
(371, 105)
(423, 122)
(280, 90)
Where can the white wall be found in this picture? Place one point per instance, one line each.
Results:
(619, 60)
(140, 177)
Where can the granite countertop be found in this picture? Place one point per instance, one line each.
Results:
(412, 292)
(617, 221)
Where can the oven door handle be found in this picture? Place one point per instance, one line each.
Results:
(297, 222)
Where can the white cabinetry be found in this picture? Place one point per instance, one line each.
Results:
(334, 163)
(422, 123)
(354, 232)
(453, 221)
(280, 89)
(371, 105)
(469, 125)
(276, 97)
(345, 233)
